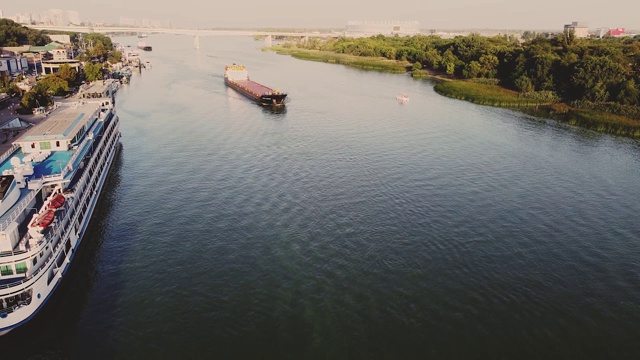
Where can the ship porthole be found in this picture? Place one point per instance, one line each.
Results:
(38, 295)
(3, 315)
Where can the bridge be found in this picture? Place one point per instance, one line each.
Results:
(193, 32)
(268, 35)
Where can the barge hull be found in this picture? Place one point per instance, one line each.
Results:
(257, 92)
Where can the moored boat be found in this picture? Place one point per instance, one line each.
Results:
(403, 98)
(143, 46)
(51, 179)
(237, 78)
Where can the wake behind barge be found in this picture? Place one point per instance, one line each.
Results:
(237, 78)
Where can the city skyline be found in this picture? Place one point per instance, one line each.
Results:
(463, 14)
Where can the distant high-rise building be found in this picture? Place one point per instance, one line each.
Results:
(23, 18)
(125, 21)
(57, 17)
(387, 28)
(73, 17)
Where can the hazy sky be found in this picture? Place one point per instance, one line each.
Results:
(451, 14)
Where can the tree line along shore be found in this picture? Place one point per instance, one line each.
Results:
(592, 83)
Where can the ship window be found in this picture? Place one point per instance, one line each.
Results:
(21, 267)
(33, 145)
(41, 254)
(6, 270)
(45, 145)
(57, 143)
(35, 260)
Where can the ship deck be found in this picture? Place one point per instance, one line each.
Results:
(254, 87)
(50, 166)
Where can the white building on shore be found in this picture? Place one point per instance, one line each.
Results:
(580, 29)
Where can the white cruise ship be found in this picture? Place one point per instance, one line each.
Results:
(51, 180)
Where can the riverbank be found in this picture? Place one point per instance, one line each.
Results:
(494, 95)
(480, 93)
(378, 64)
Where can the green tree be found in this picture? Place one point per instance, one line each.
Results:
(52, 84)
(94, 39)
(36, 97)
(594, 75)
(99, 51)
(66, 73)
(432, 59)
(14, 34)
(488, 64)
(448, 63)
(528, 35)
(629, 93)
(114, 57)
(524, 84)
(92, 72)
(568, 38)
(472, 70)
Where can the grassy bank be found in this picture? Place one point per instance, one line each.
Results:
(494, 95)
(378, 64)
(483, 94)
(593, 120)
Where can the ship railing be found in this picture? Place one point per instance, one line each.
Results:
(55, 177)
(83, 185)
(12, 253)
(20, 303)
(9, 152)
(22, 281)
(77, 153)
(55, 231)
(54, 251)
(21, 206)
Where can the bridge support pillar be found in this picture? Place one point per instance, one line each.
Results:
(267, 40)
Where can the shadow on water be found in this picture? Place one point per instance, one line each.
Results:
(53, 328)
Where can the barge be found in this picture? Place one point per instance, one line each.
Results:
(237, 78)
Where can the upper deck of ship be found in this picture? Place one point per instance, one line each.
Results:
(56, 134)
(62, 123)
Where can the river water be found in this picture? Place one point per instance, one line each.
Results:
(349, 226)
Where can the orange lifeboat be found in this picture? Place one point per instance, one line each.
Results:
(56, 202)
(44, 220)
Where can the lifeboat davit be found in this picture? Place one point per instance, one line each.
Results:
(56, 202)
(44, 220)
